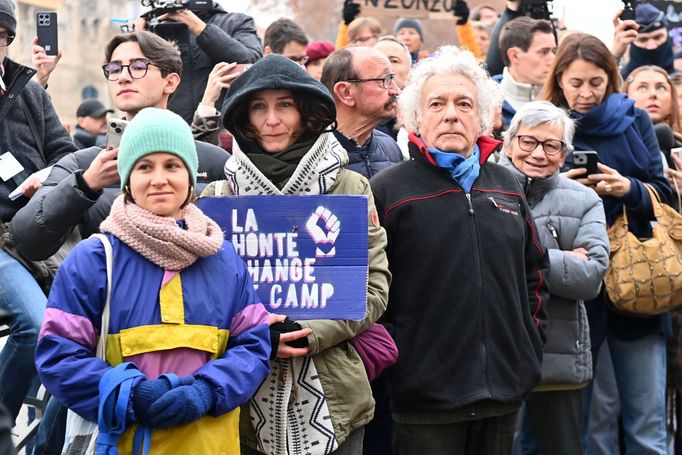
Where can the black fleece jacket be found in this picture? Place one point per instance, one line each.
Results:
(466, 301)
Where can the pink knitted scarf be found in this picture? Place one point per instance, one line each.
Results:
(159, 238)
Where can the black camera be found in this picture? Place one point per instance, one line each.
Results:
(537, 9)
(171, 30)
(628, 13)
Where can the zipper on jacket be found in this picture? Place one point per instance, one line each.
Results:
(469, 203)
(529, 183)
(552, 230)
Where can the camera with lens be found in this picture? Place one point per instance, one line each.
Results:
(537, 9)
(171, 30)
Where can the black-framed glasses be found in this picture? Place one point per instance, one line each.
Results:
(549, 146)
(6, 39)
(300, 59)
(137, 69)
(385, 80)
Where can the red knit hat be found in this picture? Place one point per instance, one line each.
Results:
(318, 49)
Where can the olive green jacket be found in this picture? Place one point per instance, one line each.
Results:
(338, 364)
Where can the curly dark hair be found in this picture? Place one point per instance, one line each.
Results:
(315, 115)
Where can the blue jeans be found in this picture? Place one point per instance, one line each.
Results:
(52, 429)
(21, 296)
(640, 370)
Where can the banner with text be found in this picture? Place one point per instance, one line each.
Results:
(422, 9)
(307, 255)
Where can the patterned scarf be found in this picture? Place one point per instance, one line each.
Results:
(289, 411)
(316, 173)
(159, 238)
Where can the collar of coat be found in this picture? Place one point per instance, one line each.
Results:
(486, 144)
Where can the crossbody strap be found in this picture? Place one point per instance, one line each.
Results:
(104, 331)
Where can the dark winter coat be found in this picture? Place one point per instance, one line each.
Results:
(228, 37)
(25, 97)
(466, 304)
(378, 153)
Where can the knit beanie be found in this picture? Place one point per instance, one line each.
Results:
(8, 19)
(156, 131)
(409, 22)
(649, 18)
(318, 50)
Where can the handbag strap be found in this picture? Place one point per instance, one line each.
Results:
(104, 331)
(655, 200)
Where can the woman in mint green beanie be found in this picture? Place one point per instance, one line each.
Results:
(182, 303)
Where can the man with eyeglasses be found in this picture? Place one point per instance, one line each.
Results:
(466, 304)
(143, 70)
(31, 138)
(527, 47)
(365, 93)
(287, 38)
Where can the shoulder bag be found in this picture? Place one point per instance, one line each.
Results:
(645, 276)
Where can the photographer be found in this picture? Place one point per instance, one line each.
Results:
(646, 40)
(214, 36)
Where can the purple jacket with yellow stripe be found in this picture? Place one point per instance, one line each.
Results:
(204, 321)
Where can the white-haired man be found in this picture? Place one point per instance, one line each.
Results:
(466, 302)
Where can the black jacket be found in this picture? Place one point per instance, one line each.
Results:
(228, 37)
(64, 201)
(466, 300)
(25, 97)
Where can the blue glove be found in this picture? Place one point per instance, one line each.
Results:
(147, 392)
(182, 405)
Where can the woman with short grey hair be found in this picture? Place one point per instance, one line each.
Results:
(571, 225)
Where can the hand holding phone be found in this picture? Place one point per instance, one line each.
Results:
(46, 22)
(677, 151)
(586, 159)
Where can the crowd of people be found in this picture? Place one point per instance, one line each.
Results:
(488, 241)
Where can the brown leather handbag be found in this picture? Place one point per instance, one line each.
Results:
(645, 276)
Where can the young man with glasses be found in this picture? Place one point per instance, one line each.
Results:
(31, 138)
(365, 93)
(143, 70)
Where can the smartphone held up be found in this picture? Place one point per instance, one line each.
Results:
(115, 128)
(46, 28)
(587, 159)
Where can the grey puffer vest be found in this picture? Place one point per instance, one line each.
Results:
(568, 215)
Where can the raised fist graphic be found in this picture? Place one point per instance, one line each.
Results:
(324, 228)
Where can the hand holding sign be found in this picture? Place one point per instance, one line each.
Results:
(333, 228)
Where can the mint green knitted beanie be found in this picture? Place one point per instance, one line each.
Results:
(153, 131)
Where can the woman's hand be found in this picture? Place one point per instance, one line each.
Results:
(578, 174)
(580, 253)
(286, 351)
(219, 79)
(610, 182)
(675, 176)
(283, 349)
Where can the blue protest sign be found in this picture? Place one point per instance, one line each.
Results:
(307, 255)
